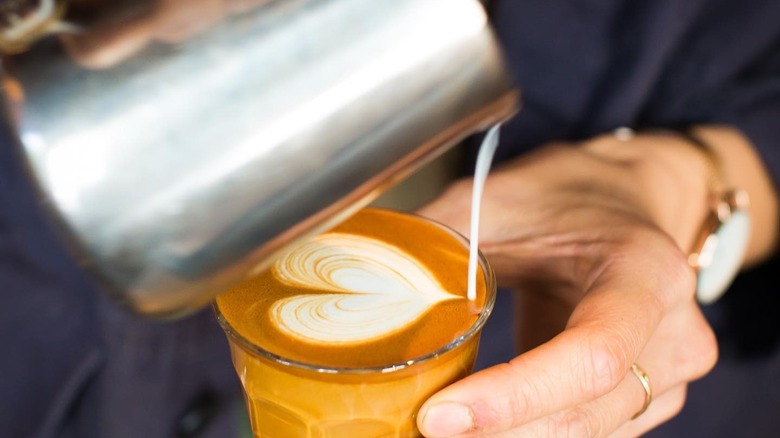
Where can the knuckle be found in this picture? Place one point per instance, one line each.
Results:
(677, 404)
(577, 422)
(705, 351)
(675, 279)
(696, 346)
(682, 277)
(513, 407)
(671, 404)
(607, 364)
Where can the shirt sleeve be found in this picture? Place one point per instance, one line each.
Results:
(753, 107)
(733, 57)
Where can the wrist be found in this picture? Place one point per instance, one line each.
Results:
(742, 167)
(720, 241)
(670, 179)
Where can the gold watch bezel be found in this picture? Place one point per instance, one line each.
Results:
(706, 244)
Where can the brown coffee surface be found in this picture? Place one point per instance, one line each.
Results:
(246, 308)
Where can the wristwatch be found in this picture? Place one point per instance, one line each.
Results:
(720, 246)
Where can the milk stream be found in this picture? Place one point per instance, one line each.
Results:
(484, 159)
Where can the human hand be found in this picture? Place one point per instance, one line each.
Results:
(604, 228)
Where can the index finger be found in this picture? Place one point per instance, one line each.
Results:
(605, 334)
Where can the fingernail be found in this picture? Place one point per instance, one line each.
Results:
(447, 419)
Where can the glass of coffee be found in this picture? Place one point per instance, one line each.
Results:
(352, 330)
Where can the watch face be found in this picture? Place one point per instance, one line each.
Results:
(723, 251)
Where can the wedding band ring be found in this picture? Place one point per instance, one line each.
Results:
(644, 379)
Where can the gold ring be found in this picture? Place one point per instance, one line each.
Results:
(644, 379)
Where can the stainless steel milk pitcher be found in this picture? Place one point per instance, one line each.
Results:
(182, 144)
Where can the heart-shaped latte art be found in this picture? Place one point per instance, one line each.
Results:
(368, 289)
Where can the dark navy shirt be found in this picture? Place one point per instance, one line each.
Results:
(74, 364)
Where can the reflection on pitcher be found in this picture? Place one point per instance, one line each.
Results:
(102, 33)
(24, 21)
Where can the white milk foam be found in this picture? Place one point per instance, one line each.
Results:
(375, 289)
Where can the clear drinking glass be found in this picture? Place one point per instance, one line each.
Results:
(287, 398)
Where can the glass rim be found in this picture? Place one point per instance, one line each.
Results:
(490, 299)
